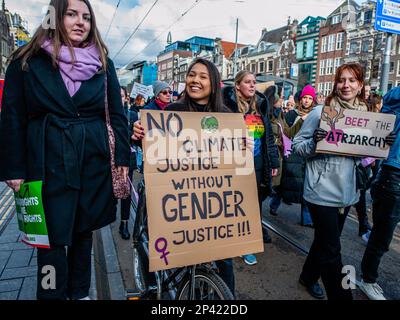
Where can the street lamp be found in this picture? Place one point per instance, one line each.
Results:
(236, 42)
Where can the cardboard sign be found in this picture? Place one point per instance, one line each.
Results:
(145, 91)
(181, 87)
(201, 190)
(355, 133)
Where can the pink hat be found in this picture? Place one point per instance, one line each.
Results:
(308, 91)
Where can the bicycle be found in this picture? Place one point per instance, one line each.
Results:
(197, 282)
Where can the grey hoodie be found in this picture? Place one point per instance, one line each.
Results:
(330, 180)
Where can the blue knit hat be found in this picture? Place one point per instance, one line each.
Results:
(159, 86)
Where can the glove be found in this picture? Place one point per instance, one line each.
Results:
(319, 134)
(391, 138)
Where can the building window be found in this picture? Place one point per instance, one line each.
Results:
(320, 87)
(354, 47)
(253, 68)
(270, 66)
(300, 50)
(329, 66)
(310, 49)
(324, 45)
(336, 19)
(322, 67)
(398, 68)
(338, 62)
(368, 17)
(391, 69)
(390, 85)
(365, 46)
(262, 66)
(331, 42)
(339, 41)
(398, 83)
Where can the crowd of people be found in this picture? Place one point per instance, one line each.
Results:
(52, 129)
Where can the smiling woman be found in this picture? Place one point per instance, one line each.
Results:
(57, 89)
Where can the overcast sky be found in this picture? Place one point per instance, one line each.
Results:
(209, 18)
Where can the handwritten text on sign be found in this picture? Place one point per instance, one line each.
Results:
(355, 133)
(200, 188)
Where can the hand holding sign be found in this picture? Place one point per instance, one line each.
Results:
(319, 135)
(391, 138)
(15, 184)
(138, 131)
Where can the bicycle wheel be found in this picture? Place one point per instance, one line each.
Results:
(138, 271)
(208, 286)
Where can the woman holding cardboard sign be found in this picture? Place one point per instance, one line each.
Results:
(53, 129)
(329, 187)
(202, 94)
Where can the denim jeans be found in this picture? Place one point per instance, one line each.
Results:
(305, 214)
(385, 192)
(72, 269)
(324, 259)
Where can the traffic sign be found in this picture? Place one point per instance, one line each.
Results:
(388, 16)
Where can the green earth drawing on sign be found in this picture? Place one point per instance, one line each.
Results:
(209, 123)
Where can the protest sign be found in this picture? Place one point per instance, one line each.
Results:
(355, 133)
(145, 91)
(30, 213)
(201, 190)
(181, 87)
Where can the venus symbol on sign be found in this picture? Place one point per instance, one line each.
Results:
(161, 247)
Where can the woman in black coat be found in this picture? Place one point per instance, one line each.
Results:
(53, 129)
(244, 98)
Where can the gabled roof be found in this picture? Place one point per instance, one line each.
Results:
(344, 4)
(311, 19)
(274, 36)
(269, 47)
(229, 47)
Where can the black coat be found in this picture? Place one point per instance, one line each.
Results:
(48, 135)
(293, 169)
(269, 150)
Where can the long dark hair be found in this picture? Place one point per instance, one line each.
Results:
(358, 71)
(273, 94)
(59, 36)
(215, 102)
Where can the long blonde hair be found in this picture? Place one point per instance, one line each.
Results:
(59, 37)
(245, 105)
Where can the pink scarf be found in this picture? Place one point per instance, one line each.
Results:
(161, 104)
(87, 64)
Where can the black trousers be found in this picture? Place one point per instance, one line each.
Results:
(324, 259)
(385, 192)
(361, 208)
(72, 266)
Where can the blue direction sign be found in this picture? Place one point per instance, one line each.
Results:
(388, 16)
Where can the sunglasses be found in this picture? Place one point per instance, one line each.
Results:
(165, 92)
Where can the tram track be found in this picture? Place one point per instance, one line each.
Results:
(285, 237)
(297, 244)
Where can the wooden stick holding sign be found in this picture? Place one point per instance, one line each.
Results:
(201, 205)
(355, 133)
